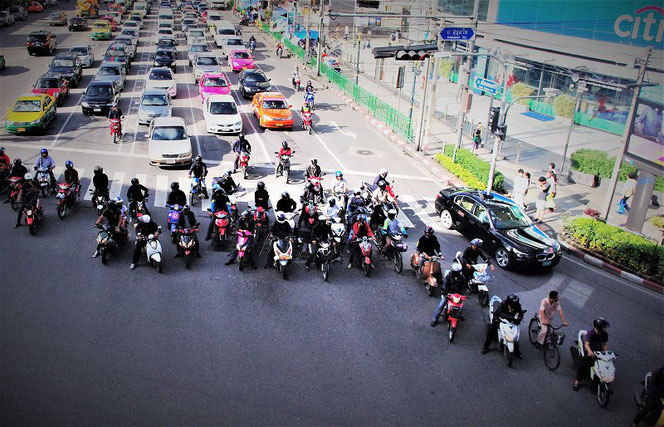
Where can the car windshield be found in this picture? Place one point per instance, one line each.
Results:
(223, 108)
(160, 75)
(189, 22)
(109, 71)
(27, 106)
(166, 31)
(215, 82)
(234, 42)
(226, 32)
(131, 24)
(131, 33)
(82, 50)
(136, 18)
(504, 217)
(207, 60)
(123, 40)
(99, 91)
(154, 100)
(241, 55)
(169, 133)
(275, 104)
(198, 48)
(164, 56)
(77, 20)
(100, 26)
(37, 38)
(53, 15)
(62, 63)
(256, 77)
(196, 34)
(115, 46)
(115, 56)
(166, 43)
(46, 83)
(214, 18)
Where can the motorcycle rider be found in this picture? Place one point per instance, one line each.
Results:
(427, 246)
(309, 88)
(187, 220)
(313, 170)
(5, 162)
(100, 182)
(286, 204)
(359, 230)
(320, 232)
(72, 178)
(28, 196)
(391, 227)
(116, 113)
(340, 187)
(176, 196)
(44, 161)
(220, 202)
(285, 150)
(309, 210)
(245, 222)
(355, 203)
(252, 43)
(145, 227)
(379, 197)
(281, 229)
(227, 183)
(654, 397)
(596, 339)
(382, 175)
(113, 215)
(261, 196)
(470, 256)
(295, 75)
(332, 210)
(199, 170)
(17, 171)
(310, 194)
(137, 193)
(241, 145)
(547, 312)
(453, 283)
(279, 46)
(511, 310)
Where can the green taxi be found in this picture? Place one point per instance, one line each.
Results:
(31, 112)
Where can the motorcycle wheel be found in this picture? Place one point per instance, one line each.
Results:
(32, 229)
(284, 274)
(552, 357)
(483, 298)
(602, 395)
(44, 191)
(187, 261)
(62, 210)
(157, 266)
(398, 262)
(326, 270)
(367, 269)
(533, 330)
(430, 289)
(451, 334)
(14, 204)
(241, 264)
(244, 172)
(509, 357)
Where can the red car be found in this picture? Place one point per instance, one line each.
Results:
(34, 6)
(52, 84)
(111, 20)
(204, 15)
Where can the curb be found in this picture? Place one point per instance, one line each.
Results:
(606, 266)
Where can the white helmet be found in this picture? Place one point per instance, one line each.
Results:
(456, 267)
(383, 172)
(145, 219)
(28, 176)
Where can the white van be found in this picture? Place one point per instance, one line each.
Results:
(223, 30)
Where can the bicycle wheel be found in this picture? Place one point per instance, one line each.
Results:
(533, 330)
(552, 357)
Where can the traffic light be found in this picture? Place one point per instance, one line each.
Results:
(386, 51)
(501, 132)
(416, 53)
(494, 117)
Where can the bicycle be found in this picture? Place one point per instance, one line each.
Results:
(552, 341)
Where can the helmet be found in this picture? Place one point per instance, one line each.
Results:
(382, 184)
(119, 200)
(476, 242)
(175, 185)
(185, 208)
(383, 172)
(17, 161)
(69, 164)
(600, 323)
(99, 169)
(284, 144)
(456, 267)
(513, 299)
(44, 151)
(338, 174)
(228, 173)
(246, 214)
(332, 201)
(392, 213)
(358, 192)
(260, 185)
(113, 204)
(28, 176)
(458, 255)
(314, 161)
(2, 149)
(199, 159)
(285, 195)
(134, 181)
(428, 230)
(308, 82)
(240, 135)
(281, 217)
(145, 219)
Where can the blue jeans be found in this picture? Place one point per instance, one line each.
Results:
(440, 309)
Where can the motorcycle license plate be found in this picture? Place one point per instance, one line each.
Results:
(97, 110)
(546, 263)
(278, 125)
(21, 129)
(284, 257)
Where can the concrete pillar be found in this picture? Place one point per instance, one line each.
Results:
(641, 200)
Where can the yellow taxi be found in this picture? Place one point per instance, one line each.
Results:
(272, 110)
(31, 112)
(101, 30)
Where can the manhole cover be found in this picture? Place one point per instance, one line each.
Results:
(364, 152)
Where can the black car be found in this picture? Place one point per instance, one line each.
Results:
(99, 98)
(164, 58)
(253, 81)
(508, 234)
(41, 42)
(78, 24)
(69, 66)
(117, 55)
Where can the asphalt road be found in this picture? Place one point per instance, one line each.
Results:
(83, 343)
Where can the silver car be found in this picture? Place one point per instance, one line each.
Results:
(205, 62)
(129, 45)
(153, 103)
(85, 54)
(111, 72)
(189, 24)
(195, 49)
(6, 18)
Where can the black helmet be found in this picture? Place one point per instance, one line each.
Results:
(310, 185)
(332, 201)
(134, 181)
(429, 230)
(314, 161)
(199, 159)
(512, 299)
(69, 164)
(175, 185)
(18, 161)
(284, 144)
(260, 185)
(600, 323)
(285, 195)
(98, 169)
(382, 184)
(240, 135)
(185, 208)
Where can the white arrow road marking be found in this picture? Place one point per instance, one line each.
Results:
(344, 132)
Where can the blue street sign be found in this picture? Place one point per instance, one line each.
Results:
(486, 85)
(457, 33)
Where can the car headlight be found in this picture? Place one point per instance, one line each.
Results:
(519, 253)
(156, 64)
(34, 122)
(239, 123)
(85, 104)
(187, 154)
(556, 245)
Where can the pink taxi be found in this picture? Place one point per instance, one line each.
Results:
(241, 59)
(213, 84)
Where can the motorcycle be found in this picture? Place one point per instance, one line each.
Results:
(66, 198)
(602, 373)
(324, 256)
(284, 165)
(453, 313)
(338, 233)
(173, 217)
(244, 247)
(478, 283)
(44, 181)
(655, 417)
(283, 255)
(106, 241)
(430, 273)
(310, 211)
(508, 331)
(186, 243)
(244, 22)
(222, 222)
(33, 216)
(195, 190)
(296, 84)
(395, 250)
(280, 51)
(15, 186)
(309, 97)
(261, 221)
(252, 46)
(140, 209)
(244, 163)
(116, 131)
(152, 250)
(99, 200)
(307, 122)
(365, 250)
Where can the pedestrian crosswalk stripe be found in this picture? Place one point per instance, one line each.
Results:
(116, 184)
(420, 211)
(161, 189)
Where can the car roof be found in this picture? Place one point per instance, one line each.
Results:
(273, 95)
(206, 55)
(100, 21)
(221, 98)
(50, 76)
(168, 121)
(39, 32)
(66, 55)
(240, 50)
(100, 83)
(80, 45)
(34, 97)
(159, 69)
(154, 91)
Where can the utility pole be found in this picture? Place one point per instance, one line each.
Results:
(306, 52)
(319, 57)
(416, 72)
(432, 105)
(580, 89)
(629, 127)
(420, 131)
(357, 64)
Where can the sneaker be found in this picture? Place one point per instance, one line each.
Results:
(133, 266)
(229, 262)
(484, 350)
(350, 265)
(575, 386)
(434, 323)
(307, 267)
(17, 225)
(96, 254)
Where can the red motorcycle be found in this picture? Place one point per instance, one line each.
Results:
(186, 243)
(453, 313)
(222, 222)
(262, 222)
(116, 130)
(33, 215)
(310, 214)
(243, 247)
(66, 197)
(244, 162)
(307, 122)
(15, 186)
(365, 249)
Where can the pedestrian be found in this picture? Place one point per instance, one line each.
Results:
(628, 191)
(552, 179)
(520, 189)
(477, 137)
(547, 311)
(544, 189)
(393, 38)
(398, 35)
(346, 33)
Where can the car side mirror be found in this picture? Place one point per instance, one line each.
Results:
(486, 224)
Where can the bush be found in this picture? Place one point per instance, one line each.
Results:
(476, 166)
(445, 68)
(522, 89)
(460, 172)
(658, 222)
(599, 163)
(637, 253)
(564, 105)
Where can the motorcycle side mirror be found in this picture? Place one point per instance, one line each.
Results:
(159, 228)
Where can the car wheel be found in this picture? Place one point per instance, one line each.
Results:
(446, 219)
(503, 258)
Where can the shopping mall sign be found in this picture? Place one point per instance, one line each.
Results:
(646, 24)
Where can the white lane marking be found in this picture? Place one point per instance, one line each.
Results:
(194, 122)
(116, 184)
(420, 211)
(55, 140)
(57, 171)
(88, 192)
(160, 190)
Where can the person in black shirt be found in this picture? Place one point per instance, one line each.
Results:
(245, 223)
(321, 232)
(286, 204)
(653, 400)
(281, 229)
(145, 227)
(113, 215)
(511, 310)
(220, 202)
(136, 193)
(313, 170)
(199, 170)
(177, 196)
(72, 178)
(427, 246)
(596, 340)
(28, 196)
(470, 256)
(453, 283)
(261, 196)
(100, 182)
(17, 171)
(241, 145)
(187, 220)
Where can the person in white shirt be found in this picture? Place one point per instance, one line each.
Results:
(520, 188)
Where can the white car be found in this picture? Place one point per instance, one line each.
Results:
(154, 103)
(231, 43)
(195, 36)
(162, 78)
(221, 114)
(205, 62)
(168, 142)
(222, 32)
(85, 53)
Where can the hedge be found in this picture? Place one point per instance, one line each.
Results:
(596, 162)
(564, 105)
(460, 172)
(476, 166)
(637, 253)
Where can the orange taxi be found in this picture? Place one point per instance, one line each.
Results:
(272, 110)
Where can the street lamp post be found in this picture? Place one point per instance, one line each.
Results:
(416, 73)
(580, 89)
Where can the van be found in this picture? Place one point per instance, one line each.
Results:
(217, 4)
(141, 8)
(223, 30)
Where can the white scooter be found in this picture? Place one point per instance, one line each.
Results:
(508, 332)
(152, 250)
(338, 232)
(602, 373)
(478, 283)
(290, 218)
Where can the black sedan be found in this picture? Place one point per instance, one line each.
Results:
(506, 230)
(253, 81)
(78, 24)
(164, 58)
